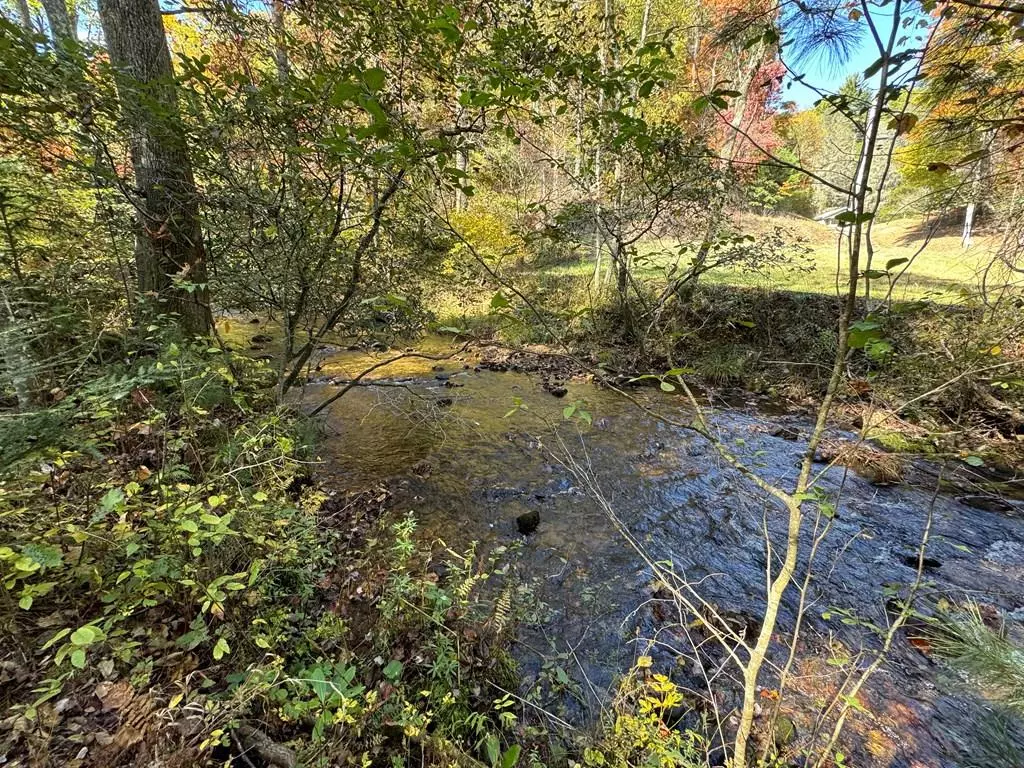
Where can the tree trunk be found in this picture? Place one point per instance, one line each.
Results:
(25, 15)
(968, 231)
(462, 163)
(169, 252)
(277, 9)
(62, 25)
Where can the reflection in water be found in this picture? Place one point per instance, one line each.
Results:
(443, 434)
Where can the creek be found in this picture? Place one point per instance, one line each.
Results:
(442, 435)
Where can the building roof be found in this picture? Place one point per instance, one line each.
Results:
(831, 213)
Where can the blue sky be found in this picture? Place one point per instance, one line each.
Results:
(826, 77)
(823, 73)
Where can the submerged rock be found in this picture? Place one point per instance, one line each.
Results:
(786, 433)
(987, 503)
(783, 731)
(528, 522)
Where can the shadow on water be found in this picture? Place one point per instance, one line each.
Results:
(467, 469)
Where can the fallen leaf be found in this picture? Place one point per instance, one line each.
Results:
(115, 695)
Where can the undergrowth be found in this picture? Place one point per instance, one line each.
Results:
(177, 591)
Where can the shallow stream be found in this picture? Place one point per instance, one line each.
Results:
(441, 434)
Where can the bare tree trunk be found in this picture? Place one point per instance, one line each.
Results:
(169, 253)
(462, 163)
(859, 189)
(62, 24)
(972, 207)
(15, 355)
(25, 15)
(580, 150)
(277, 9)
(14, 352)
(598, 217)
(965, 237)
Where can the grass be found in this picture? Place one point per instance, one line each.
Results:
(938, 272)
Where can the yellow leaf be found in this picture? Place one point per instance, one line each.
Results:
(644, 662)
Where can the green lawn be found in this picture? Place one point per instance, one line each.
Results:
(938, 272)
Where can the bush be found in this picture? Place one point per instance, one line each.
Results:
(152, 525)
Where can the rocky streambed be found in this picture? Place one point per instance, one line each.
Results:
(488, 456)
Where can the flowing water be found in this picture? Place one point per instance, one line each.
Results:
(452, 452)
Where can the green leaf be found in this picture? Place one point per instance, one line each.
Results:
(84, 636)
(970, 158)
(667, 387)
(872, 70)
(374, 78)
(568, 411)
(25, 603)
(221, 649)
(344, 91)
(189, 525)
(974, 461)
(43, 554)
(380, 118)
(498, 301)
(892, 263)
(112, 499)
(393, 670)
(878, 349)
(493, 749)
(859, 337)
(78, 658)
(58, 636)
(850, 217)
(511, 756)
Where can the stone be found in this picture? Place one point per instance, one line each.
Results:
(786, 433)
(528, 522)
(987, 503)
(784, 731)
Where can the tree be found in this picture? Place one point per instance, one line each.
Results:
(60, 19)
(169, 253)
